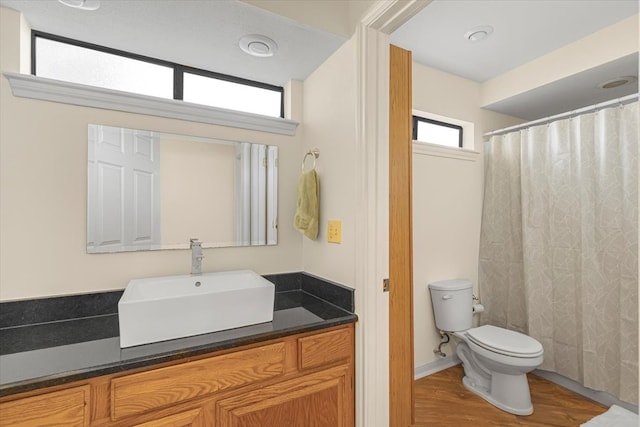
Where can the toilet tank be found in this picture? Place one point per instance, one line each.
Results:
(452, 302)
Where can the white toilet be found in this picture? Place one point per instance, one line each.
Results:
(495, 360)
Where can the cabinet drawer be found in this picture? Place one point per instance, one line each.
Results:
(193, 418)
(322, 349)
(60, 408)
(137, 393)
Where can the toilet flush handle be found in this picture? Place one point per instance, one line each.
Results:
(445, 297)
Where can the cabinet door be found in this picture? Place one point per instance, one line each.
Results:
(321, 399)
(69, 408)
(193, 418)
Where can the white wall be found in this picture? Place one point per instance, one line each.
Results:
(189, 208)
(610, 43)
(447, 199)
(43, 174)
(448, 192)
(330, 125)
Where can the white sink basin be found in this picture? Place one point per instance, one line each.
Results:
(164, 308)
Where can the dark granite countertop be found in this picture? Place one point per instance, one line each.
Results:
(38, 355)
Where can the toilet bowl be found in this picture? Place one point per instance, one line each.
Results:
(495, 370)
(495, 360)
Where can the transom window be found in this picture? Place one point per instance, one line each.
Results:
(437, 132)
(74, 61)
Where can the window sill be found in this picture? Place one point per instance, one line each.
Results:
(28, 86)
(436, 150)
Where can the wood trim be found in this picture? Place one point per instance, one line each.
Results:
(401, 410)
(388, 16)
(372, 225)
(27, 86)
(426, 149)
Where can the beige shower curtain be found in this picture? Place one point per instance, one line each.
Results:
(559, 244)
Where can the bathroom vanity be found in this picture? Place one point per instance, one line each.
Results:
(298, 367)
(304, 376)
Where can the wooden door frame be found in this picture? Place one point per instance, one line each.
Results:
(401, 365)
(374, 385)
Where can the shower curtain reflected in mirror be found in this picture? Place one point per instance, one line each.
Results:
(559, 244)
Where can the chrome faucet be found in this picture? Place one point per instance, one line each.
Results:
(196, 256)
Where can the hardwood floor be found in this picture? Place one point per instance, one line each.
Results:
(442, 400)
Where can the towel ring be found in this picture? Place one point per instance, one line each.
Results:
(315, 153)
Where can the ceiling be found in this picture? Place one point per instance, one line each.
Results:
(523, 30)
(205, 34)
(197, 33)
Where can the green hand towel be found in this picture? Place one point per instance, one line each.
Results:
(308, 205)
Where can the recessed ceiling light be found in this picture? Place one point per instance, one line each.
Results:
(82, 4)
(478, 33)
(617, 82)
(258, 45)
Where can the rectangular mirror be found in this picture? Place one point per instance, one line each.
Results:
(153, 190)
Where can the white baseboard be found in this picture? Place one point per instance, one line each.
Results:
(435, 366)
(601, 397)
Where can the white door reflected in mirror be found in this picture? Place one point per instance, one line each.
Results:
(152, 190)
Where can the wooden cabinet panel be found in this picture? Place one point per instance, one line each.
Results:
(322, 349)
(145, 391)
(68, 408)
(260, 386)
(321, 399)
(193, 418)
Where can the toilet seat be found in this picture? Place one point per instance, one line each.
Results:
(504, 341)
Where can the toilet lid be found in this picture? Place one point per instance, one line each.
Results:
(505, 341)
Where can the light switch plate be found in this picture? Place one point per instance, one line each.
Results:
(334, 231)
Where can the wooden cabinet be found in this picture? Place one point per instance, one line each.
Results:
(322, 349)
(192, 418)
(145, 391)
(304, 380)
(316, 400)
(68, 407)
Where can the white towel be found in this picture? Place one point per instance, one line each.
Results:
(616, 416)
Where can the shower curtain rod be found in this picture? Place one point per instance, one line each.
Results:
(619, 101)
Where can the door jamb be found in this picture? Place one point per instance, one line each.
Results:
(372, 220)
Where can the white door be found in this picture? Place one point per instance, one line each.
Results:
(124, 189)
(272, 195)
(243, 194)
(258, 194)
